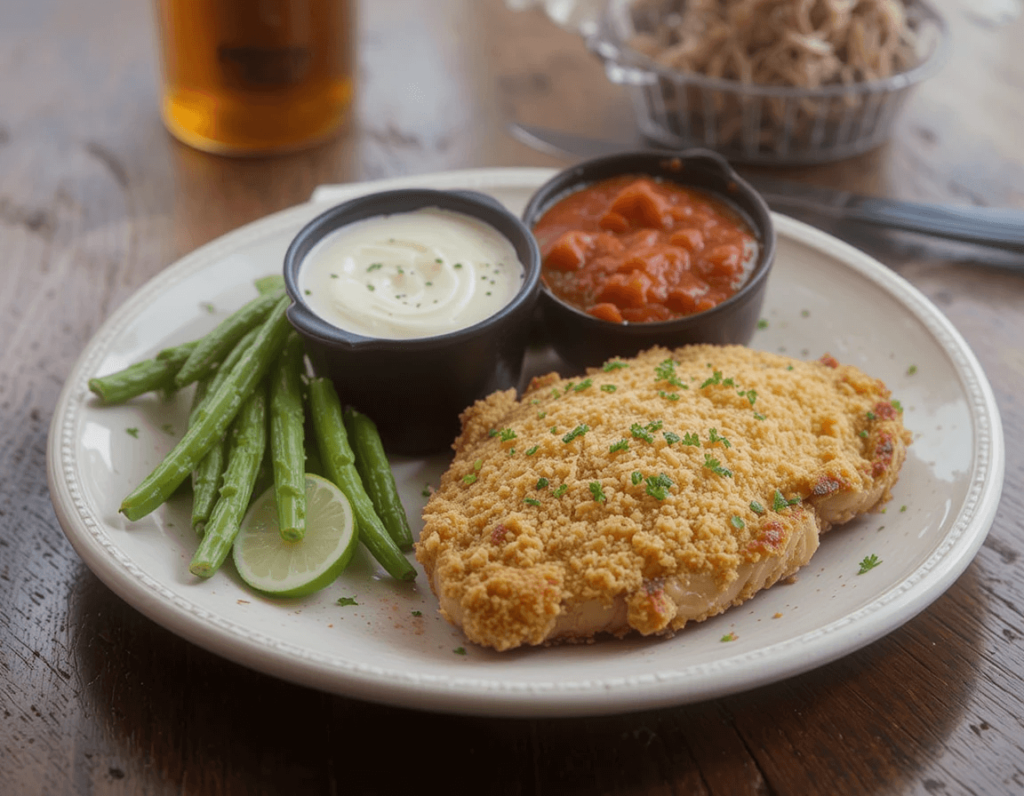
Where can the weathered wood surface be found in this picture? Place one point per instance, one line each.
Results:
(95, 198)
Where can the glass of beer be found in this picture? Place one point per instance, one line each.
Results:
(250, 77)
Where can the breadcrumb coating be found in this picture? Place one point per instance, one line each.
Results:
(651, 492)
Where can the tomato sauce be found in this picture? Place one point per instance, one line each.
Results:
(633, 249)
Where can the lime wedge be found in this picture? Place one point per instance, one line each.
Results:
(274, 566)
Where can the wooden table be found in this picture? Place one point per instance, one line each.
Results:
(95, 198)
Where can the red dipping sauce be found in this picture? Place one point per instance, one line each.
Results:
(633, 249)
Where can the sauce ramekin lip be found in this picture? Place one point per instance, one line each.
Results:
(387, 203)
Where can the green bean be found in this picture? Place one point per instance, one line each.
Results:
(375, 473)
(141, 377)
(265, 473)
(215, 345)
(206, 477)
(286, 439)
(339, 461)
(162, 370)
(213, 417)
(248, 442)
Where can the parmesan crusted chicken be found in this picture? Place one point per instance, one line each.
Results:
(652, 492)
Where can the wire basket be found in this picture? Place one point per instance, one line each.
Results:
(751, 123)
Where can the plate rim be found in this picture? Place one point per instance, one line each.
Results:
(476, 696)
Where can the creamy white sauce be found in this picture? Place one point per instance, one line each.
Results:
(407, 275)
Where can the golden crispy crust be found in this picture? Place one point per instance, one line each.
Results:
(605, 503)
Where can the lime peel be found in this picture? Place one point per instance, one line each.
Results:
(281, 568)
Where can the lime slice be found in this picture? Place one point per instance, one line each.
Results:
(274, 566)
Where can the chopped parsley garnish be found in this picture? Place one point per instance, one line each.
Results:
(636, 476)
(583, 385)
(560, 490)
(869, 562)
(459, 650)
(691, 438)
(897, 406)
(554, 429)
(863, 433)
(132, 432)
(762, 324)
(671, 437)
(714, 436)
(658, 486)
(668, 396)
(756, 507)
(374, 267)
(542, 482)
(912, 370)
(666, 371)
(751, 395)
(370, 287)
(347, 601)
(779, 502)
(614, 364)
(597, 491)
(621, 445)
(730, 636)
(579, 431)
(469, 478)
(737, 522)
(871, 415)
(417, 613)
(531, 501)
(507, 434)
(533, 450)
(715, 466)
(457, 265)
(715, 378)
(640, 432)
(541, 415)
(608, 388)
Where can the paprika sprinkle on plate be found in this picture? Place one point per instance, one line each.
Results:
(634, 249)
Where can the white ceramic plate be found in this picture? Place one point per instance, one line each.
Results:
(393, 647)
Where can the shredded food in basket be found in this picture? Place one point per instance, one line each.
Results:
(803, 43)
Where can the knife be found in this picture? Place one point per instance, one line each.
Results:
(999, 227)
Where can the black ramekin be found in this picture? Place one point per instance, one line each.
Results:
(415, 389)
(585, 341)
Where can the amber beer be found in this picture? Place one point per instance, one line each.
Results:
(255, 76)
